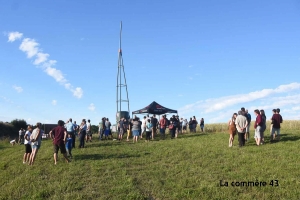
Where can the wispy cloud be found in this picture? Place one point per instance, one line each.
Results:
(12, 36)
(226, 103)
(190, 66)
(180, 95)
(18, 88)
(6, 99)
(54, 102)
(31, 48)
(91, 107)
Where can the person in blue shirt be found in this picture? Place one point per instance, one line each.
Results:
(69, 146)
(71, 130)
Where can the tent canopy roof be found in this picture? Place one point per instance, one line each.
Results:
(154, 108)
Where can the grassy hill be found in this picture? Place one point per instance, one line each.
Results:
(189, 167)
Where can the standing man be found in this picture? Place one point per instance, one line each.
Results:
(162, 125)
(88, 131)
(248, 116)
(21, 136)
(276, 121)
(241, 124)
(71, 130)
(59, 137)
(257, 127)
(154, 122)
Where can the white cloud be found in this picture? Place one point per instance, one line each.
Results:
(41, 57)
(6, 99)
(78, 92)
(12, 36)
(30, 47)
(91, 107)
(54, 102)
(191, 78)
(82, 39)
(210, 107)
(190, 66)
(180, 95)
(18, 88)
(53, 72)
(29, 120)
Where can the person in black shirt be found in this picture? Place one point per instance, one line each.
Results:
(154, 122)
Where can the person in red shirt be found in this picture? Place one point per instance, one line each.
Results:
(162, 125)
(59, 136)
(276, 121)
(257, 127)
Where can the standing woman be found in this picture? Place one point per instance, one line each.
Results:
(135, 129)
(82, 133)
(202, 124)
(232, 129)
(36, 139)
(194, 124)
(263, 126)
(27, 143)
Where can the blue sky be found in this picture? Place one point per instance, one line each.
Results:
(203, 58)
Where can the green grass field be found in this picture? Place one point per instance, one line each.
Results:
(189, 167)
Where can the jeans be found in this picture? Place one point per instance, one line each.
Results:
(241, 139)
(73, 138)
(101, 134)
(173, 131)
(81, 139)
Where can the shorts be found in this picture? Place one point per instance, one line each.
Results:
(128, 133)
(62, 148)
(154, 129)
(257, 132)
(28, 148)
(135, 132)
(89, 133)
(184, 128)
(121, 132)
(35, 146)
(248, 128)
(277, 130)
(107, 132)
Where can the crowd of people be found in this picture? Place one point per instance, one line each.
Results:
(150, 126)
(240, 124)
(64, 134)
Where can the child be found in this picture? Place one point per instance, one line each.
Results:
(69, 143)
(148, 130)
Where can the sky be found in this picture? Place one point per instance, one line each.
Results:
(59, 58)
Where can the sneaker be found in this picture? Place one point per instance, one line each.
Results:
(24, 162)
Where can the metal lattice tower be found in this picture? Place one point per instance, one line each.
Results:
(121, 82)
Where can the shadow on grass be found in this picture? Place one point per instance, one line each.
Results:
(193, 135)
(104, 156)
(102, 144)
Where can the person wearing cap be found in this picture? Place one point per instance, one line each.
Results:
(241, 124)
(276, 121)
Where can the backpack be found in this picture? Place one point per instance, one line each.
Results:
(149, 125)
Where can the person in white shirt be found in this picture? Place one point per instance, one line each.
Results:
(88, 131)
(27, 143)
(143, 126)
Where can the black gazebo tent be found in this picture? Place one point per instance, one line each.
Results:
(154, 108)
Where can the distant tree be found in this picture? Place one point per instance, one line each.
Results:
(94, 129)
(19, 123)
